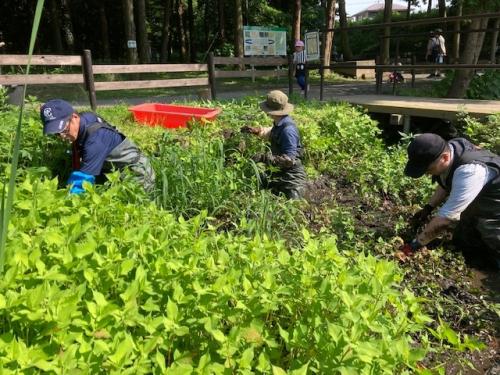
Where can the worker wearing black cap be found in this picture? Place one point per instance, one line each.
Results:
(468, 179)
(98, 147)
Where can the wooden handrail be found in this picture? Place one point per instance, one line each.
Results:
(40, 79)
(405, 67)
(258, 61)
(157, 83)
(149, 68)
(40, 60)
(423, 21)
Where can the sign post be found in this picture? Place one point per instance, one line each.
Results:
(312, 45)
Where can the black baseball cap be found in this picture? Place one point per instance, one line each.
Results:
(422, 152)
(55, 115)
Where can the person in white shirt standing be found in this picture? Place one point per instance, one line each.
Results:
(436, 50)
(299, 61)
(470, 178)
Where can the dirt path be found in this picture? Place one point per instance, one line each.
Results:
(330, 90)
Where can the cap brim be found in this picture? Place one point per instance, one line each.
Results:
(415, 170)
(282, 112)
(55, 126)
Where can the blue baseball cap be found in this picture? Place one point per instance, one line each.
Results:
(55, 115)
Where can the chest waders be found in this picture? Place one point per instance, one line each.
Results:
(126, 155)
(289, 181)
(479, 224)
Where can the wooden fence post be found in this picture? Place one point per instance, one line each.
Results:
(290, 75)
(322, 81)
(211, 75)
(413, 62)
(378, 76)
(306, 90)
(88, 77)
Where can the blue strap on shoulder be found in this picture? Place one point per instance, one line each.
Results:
(76, 179)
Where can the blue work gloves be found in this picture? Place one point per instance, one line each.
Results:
(76, 179)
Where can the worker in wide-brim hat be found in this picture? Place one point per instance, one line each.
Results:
(286, 147)
(98, 147)
(468, 181)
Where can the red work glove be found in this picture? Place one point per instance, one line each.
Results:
(410, 248)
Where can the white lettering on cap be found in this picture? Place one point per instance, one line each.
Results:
(47, 113)
(61, 124)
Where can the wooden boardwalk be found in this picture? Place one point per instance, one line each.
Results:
(442, 108)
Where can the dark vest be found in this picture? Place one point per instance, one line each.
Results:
(487, 203)
(126, 154)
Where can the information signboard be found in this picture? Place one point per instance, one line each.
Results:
(264, 41)
(312, 45)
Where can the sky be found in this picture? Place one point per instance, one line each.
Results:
(354, 6)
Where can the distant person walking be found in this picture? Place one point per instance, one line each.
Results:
(299, 61)
(430, 44)
(436, 50)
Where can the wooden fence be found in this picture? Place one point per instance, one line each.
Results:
(246, 68)
(88, 72)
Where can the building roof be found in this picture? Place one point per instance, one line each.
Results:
(379, 7)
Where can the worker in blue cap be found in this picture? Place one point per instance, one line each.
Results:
(98, 147)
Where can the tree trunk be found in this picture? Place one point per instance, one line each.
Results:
(55, 27)
(455, 46)
(238, 31)
(206, 26)
(330, 22)
(470, 55)
(142, 32)
(182, 31)
(128, 21)
(297, 12)
(408, 9)
(346, 48)
(429, 6)
(192, 45)
(167, 15)
(222, 29)
(386, 42)
(103, 21)
(442, 8)
(494, 41)
(67, 26)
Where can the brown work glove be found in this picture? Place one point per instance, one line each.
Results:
(281, 161)
(421, 216)
(250, 130)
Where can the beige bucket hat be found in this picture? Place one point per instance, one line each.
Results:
(276, 104)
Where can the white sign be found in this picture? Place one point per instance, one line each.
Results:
(312, 46)
(264, 41)
(131, 44)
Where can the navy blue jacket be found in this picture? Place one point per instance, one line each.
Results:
(285, 138)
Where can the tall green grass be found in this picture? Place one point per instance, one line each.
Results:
(8, 193)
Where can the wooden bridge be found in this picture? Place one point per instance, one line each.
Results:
(442, 108)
